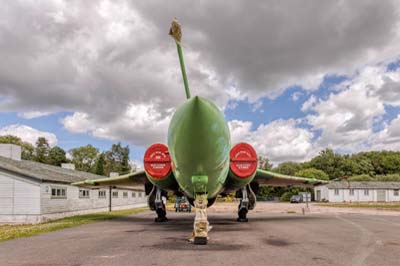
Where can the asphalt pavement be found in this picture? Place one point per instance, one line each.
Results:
(267, 239)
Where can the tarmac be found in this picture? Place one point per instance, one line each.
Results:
(269, 238)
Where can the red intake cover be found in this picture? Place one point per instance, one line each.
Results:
(243, 160)
(157, 161)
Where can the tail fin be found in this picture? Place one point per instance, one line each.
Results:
(176, 34)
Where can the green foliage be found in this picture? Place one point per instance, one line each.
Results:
(100, 162)
(117, 160)
(288, 194)
(361, 178)
(371, 164)
(270, 192)
(379, 178)
(329, 162)
(288, 168)
(42, 150)
(56, 156)
(84, 158)
(312, 173)
(27, 149)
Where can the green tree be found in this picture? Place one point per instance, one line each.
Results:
(288, 168)
(312, 173)
(27, 149)
(117, 160)
(329, 162)
(84, 158)
(264, 163)
(100, 162)
(57, 156)
(42, 150)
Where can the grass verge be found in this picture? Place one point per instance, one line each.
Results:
(8, 232)
(383, 206)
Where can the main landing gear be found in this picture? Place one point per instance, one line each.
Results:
(156, 204)
(243, 207)
(247, 203)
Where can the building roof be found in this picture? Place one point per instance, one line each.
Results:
(365, 185)
(44, 172)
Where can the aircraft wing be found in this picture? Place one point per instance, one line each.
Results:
(268, 178)
(132, 180)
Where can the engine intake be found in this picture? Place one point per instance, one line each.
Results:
(243, 161)
(157, 161)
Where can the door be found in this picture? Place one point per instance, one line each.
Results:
(318, 195)
(381, 195)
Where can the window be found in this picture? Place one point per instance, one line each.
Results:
(395, 192)
(84, 193)
(133, 194)
(336, 191)
(125, 194)
(366, 192)
(140, 194)
(102, 194)
(115, 194)
(351, 191)
(58, 193)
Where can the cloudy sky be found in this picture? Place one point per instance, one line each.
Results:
(292, 78)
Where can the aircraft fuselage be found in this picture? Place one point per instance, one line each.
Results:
(199, 144)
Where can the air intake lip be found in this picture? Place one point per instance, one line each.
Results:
(157, 161)
(243, 160)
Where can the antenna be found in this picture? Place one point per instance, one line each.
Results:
(176, 33)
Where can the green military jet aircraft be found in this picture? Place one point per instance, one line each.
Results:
(199, 162)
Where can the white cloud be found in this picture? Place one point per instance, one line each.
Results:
(280, 140)
(347, 117)
(307, 105)
(388, 138)
(296, 96)
(78, 123)
(28, 134)
(33, 114)
(138, 124)
(96, 59)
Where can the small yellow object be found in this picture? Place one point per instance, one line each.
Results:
(175, 31)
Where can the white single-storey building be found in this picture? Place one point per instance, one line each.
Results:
(32, 192)
(358, 192)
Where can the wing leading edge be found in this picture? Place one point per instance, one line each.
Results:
(268, 178)
(131, 180)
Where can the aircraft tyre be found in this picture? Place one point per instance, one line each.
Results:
(198, 240)
(161, 215)
(242, 216)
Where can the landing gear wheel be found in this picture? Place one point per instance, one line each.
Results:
(198, 240)
(161, 219)
(242, 216)
(161, 215)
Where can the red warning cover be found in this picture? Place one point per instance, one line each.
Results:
(243, 160)
(157, 161)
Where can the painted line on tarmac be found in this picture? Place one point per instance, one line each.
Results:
(366, 246)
